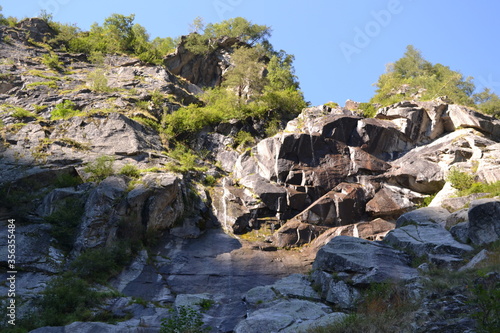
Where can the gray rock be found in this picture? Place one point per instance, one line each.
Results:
(425, 239)
(366, 261)
(484, 221)
(478, 258)
(461, 232)
(284, 316)
(424, 216)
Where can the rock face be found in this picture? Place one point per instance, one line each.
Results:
(200, 69)
(484, 221)
(365, 261)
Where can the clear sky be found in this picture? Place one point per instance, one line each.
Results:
(340, 47)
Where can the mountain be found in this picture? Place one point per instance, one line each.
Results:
(111, 223)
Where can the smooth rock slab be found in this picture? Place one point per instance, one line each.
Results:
(421, 240)
(285, 316)
(366, 261)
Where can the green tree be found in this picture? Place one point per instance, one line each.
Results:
(413, 77)
(488, 102)
(246, 73)
(238, 27)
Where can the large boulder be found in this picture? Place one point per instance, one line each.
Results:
(365, 261)
(288, 316)
(392, 201)
(462, 117)
(484, 221)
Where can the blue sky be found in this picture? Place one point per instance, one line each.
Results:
(340, 47)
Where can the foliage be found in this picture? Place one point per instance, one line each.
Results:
(64, 110)
(130, 170)
(488, 102)
(98, 81)
(184, 319)
(65, 220)
(486, 295)
(66, 299)
(21, 113)
(187, 160)
(369, 110)
(200, 43)
(52, 61)
(465, 184)
(245, 73)
(50, 84)
(386, 307)
(100, 264)
(413, 77)
(243, 138)
(101, 168)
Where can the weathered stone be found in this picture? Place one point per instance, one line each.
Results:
(457, 217)
(273, 196)
(484, 221)
(478, 258)
(373, 230)
(296, 233)
(366, 261)
(460, 116)
(426, 239)
(283, 317)
(461, 232)
(390, 201)
(424, 216)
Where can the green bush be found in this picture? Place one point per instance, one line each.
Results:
(130, 170)
(21, 113)
(52, 61)
(184, 320)
(186, 158)
(64, 110)
(65, 221)
(243, 138)
(66, 299)
(369, 110)
(100, 169)
(98, 81)
(460, 180)
(100, 264)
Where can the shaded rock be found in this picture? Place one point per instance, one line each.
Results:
(460, 232)
(273, 196)
(365, 261)
(36, 253)
(459, 203)
(37, 29)
(341, 206)
(335, 290)
(296, 233)
(95, 229)
(478, 258)
(484, 221)
(424, 216)
(457, 217)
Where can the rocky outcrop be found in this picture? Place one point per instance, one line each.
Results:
(204, 70)
(484, 221)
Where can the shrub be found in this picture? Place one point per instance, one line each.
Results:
(98, 81)
(130, 170)
(21, 113)
(64, 110)
(186, 160)
(66, 299)
(100, 169)
(65, 221)
(243, 138)
(459, 179)
(52, 61)
(369, 110)
(100, 264)
(183, 320)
